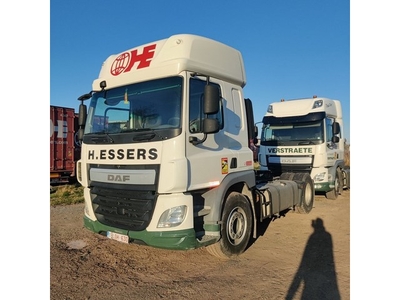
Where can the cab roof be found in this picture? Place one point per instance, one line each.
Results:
(168, 57)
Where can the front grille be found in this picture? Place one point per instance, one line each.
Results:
(278, 169)
(124, 209)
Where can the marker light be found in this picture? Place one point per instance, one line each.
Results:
(213, 183)
(79, 171)
(317, 103)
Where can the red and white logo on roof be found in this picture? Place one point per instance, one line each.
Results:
(125, 62)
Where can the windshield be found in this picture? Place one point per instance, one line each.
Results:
(312, 132)
(154, 104)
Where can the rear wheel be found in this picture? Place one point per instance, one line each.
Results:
(346, 179)
(308, 193)
(236, 227)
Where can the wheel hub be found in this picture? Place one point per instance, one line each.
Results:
(236, 226)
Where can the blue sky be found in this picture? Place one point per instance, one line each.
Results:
(291, 49)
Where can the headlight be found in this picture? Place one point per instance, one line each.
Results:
(319, 177)
(172, 217)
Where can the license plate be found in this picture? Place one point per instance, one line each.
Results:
(118, 237)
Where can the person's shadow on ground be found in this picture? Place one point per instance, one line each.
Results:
(317, 268)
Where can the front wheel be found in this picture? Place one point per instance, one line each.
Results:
(236, 227)
(338, 186)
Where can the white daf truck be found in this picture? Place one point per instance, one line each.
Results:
(305, 135)
(165, 151)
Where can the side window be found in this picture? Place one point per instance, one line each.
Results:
(196, 114)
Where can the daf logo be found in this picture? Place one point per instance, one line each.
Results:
(288, 160)
(118, 178)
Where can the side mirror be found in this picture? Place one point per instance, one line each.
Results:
(210, 126)
(80, 134)
(335, 139)
(81, 120)
(211, 99)
(82, 115)
(335, 128)
(210, 107)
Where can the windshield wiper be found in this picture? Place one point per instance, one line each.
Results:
(144, 134)
(136, 130)
(306, 142)
(144, 137)
(104, 139)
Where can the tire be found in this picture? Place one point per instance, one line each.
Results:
(338, 189)
(287, 176)
(236, 227)
(340, 178)
(346, 179)
(307, 194)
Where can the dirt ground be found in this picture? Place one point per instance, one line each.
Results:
(295, 257)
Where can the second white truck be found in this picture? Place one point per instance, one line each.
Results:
(306, 135)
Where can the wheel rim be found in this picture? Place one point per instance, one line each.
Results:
(236, 226)
(336, 184)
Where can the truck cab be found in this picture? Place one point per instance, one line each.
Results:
(165, 150)
(305, 135)
(154, 144)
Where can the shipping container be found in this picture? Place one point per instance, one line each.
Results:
(64, 146)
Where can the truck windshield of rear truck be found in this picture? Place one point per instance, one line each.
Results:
(312, 132)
